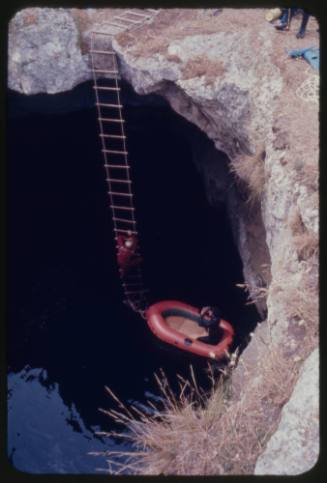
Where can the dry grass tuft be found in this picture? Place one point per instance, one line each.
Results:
(203, 433)
(299, 301)
(151, 44)
(163, 435)
(307, 173)
(255, 294)
(251, 169)
(125, 39)
(201, 66)
(295, 222)
(173, 58)
(306, 244)
(299, 304)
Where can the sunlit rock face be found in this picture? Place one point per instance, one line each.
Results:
(229, 75)
(44, 52)
(294, 447)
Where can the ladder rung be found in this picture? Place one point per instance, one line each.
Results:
(137, 254)
(103, 104)
(130, 292)
(135, 278)
(106, 71)
(132, 276)
(118, 166)
(107, 52)
(108, 119)
(120, 230)
(102, 33)
(123, 220)
(129, 12)
(136, 297)
(132, 286)
(139, 281)
(125, 208)
(118, 193)
(125, 284)
(129, 20)
(115, 24)
(113, 136)
(135, 304)
(103, 88)
(119, 180)
(112, 151)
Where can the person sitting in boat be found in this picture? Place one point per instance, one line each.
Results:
(209, 319)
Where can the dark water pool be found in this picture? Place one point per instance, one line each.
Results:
(69, 334)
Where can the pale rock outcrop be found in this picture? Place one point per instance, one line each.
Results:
(294, 447)
(44, 53)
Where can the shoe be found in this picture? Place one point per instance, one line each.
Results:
(282, 26)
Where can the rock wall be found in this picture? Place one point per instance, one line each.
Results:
(294, 447)
(44, 53)
(229, 75)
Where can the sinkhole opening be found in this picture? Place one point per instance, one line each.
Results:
(65, 301)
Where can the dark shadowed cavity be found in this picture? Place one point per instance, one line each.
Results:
(68, 331)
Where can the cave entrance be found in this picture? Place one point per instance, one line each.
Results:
(65, 302)
(188, 246)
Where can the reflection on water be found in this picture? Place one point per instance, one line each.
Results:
(45, 435)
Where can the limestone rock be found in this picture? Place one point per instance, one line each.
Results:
(294, 447)
(44, 52)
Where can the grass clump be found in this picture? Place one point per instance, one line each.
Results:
(203, 433)
(251, 170)
(306, 243)
(168, 437)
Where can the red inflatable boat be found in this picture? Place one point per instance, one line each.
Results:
(177, 324)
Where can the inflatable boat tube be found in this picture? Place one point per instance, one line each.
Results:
(176, 324)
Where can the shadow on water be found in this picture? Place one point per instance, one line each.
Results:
(66, 319)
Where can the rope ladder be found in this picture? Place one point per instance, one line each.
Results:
(105, 69)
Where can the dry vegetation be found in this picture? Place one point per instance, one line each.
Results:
(300, 305)
(152, 43)
(201, 66)
(255, 295)
(307, 172)
(198, 433)
(251, 170)
(306, 244)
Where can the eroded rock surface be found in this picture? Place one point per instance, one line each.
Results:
(294, 447)
(44, 52)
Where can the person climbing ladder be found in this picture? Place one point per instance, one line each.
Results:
(127, 256)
